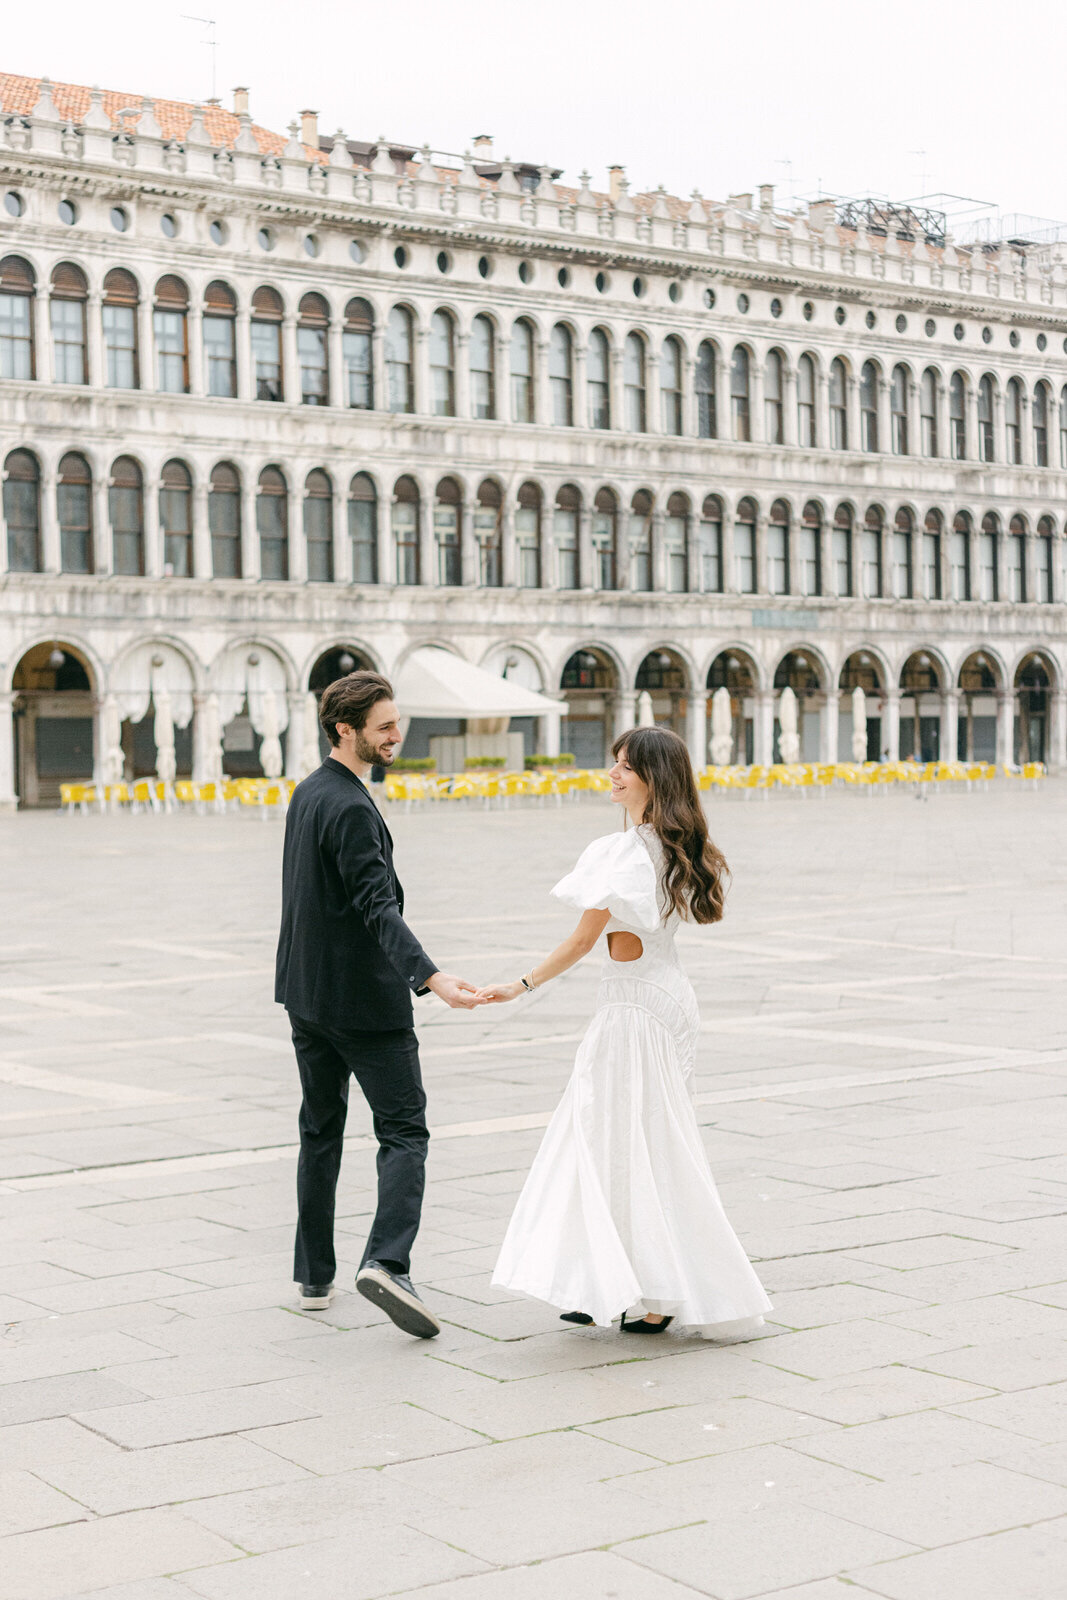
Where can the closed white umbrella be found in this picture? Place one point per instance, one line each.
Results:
(859, 724)
(163, 728)
(646, 717)
(270, 751)
(114, 759)
(788, 741)
(722, 728)
(211, 740)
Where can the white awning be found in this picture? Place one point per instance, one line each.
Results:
(434, 683)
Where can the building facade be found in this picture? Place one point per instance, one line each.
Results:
(271, 405)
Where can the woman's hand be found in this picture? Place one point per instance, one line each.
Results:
(497, 993)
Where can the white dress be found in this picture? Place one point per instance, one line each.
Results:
(620, 1211)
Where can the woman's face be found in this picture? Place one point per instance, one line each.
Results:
(627, 789)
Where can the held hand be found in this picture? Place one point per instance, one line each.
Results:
(455, 992)
(496, 993)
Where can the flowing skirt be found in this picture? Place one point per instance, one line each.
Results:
(620, 1211)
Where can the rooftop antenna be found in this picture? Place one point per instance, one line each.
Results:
(925, 175)
(788, 165)
(211, 42)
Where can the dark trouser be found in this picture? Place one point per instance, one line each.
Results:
(386, 1067)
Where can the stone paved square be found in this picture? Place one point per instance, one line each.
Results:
(881, 1094)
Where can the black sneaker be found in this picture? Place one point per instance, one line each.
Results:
(393, 1292)
(315, 1296)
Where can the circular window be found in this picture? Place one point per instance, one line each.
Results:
(217, 231)
(356, 251)
(638, 288)
(168, 225)
(68, 212)
(957, 332)
(563, 277)
(839, 315)
(776, 308)
(120, 219)
(902, 323)
(444, 261)
(311, 245)
(14, 204)
(265, 239)
(674, 293)
(987, 336)
(1013, 339)
(400, 256)
(709, 298)
(929, 327)
(1042, 342)
(742, 303)
(484, 266)
(525, 272)
(870, 319)
(601, 280)
(807, 310)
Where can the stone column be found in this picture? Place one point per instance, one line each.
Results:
(829, 727)
(335, 363)
(890, 733)
(915, 425)
(763, 743)
(1057, 730)
(1000, 566)
(153, 536)
(687, 401)
(386, 553)
(423, 387)
(944, 432)
(102, 546)
(548, 730)
(298, 554)
(789, 404)
(463, 375)
(762, 581)
(250, 566)
(8, 797)
(94, 335)
(696, 728)
(541, 412)
(342, 544)
(290, 363)
(509, 560)
(1005, 727)
(659, 554)
(146, 347)
(201, 532)
(1000, 452)
(381, 388)
(852, 412)
(98, 743)
(41, 325)
(1026, 434)
(822, 410)
(469, 553)
(617, 388)
(428, 541)
(51, 553)
(1029, 566)
(579, 393)
(586, 562)
(729, 571)
(199, 762)
(756, 430)
(653, 400)
(196, 349)
(950, 723)
(826, 552)
(242, 335)
(970, 422)
(885, 428)
(625, 711)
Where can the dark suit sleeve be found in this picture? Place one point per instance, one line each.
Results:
(369, 887)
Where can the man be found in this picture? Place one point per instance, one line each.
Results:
(347, 963)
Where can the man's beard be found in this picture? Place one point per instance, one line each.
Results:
(365, 751)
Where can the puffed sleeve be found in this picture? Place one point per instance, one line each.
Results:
(614, 874)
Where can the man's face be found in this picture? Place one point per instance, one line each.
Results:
(379, 738)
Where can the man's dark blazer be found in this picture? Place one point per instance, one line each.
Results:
(346, 957)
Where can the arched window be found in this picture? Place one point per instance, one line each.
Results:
(442, 365)
(406, 531)
(711, 569)
(272, 524)
(399, 370)
(986, 451)
(565, 521)
(605, 526)
(928, 412)
(522, 371)
(633, 379)
(447, 515)
(483, 368)
(16, 318)
(220, 341)
(598, 379)
(266, 336)
(932, 555)
(838, 405)
(1043, 562)
(773, 428)
(898, 406)
(357, 352)
(901, 562)
(704, 387)
(312, 325)
(841, 550)
(169, 318)
(988, 539)
(869, 406)
(957, 416)
(126, 509)
(1013, 407)
(74, 509)
(676, 543)
(363, 528)
(670, 386)
(1015, 562)
(806, 402)
(778, 548)
(224, 520)
(22, 511)
(318, 525)
(640, 541)
(1040, 425)
(528, 536)
(70, 291)
(739, 408)
(871, 554)
(745, 547)
(808, 563)
(176, 519)
(560, 376)
(119, 315)
(488, 531)
(959, 557)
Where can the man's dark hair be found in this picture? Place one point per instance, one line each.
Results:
(350, 700)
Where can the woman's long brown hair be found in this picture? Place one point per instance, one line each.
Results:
(696, 874)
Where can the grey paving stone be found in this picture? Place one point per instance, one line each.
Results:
(89, 1555)
(1006, 1363)
(738, 1480)
(375, 1437)
(495, 1472)
(944, 1507)
(193, 1416)
(1027, 1564)
(40, 1398)
(26, 1503)
(905, 1445)
(165, 1474)
(596, 1574)
(681, 1433)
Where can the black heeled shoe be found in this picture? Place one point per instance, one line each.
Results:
(639, 1325)
(576, 1316)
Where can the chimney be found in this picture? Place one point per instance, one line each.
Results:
(821, 214)
(766, 196)
(740, 202)
(615, 179)
(483, 147)
(240, 102)
(309, 128)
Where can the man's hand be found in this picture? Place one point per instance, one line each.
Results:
(454, 991)
(496, 993)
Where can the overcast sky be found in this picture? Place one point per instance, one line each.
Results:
(919, 96)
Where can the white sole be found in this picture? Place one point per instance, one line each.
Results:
(318, 1302)
(406, 1310)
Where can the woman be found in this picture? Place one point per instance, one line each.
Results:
(620, 1216)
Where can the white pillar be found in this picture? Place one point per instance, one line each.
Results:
(298, 556)
(249, 530)
(380, 395)
(542, 414)
(696, 728)
(8, 797)
(290, 363)
(829, 728)
(950, 722)
(1057, 731)
(891, 726)
(342, 544)
(51, 555)
(146, 347)
(201, 533)
(103, 550)
(763, 742)
(335, 364)
(196, 350)
(94, 334)
(548, 731)
(463, 375)
(625, 711)
(243, 354)
(153, 537)
(1005, 727)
